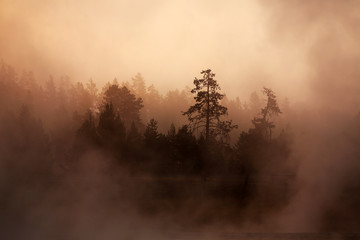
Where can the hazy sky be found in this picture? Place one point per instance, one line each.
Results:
(308, 51)
(169, 42)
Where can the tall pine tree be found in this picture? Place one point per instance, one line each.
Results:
(205, 114)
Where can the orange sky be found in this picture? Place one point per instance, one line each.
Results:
(308, 51)
(249, 44)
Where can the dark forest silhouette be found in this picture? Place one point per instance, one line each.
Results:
(47, 131)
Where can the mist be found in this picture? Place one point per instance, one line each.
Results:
(118, 39)
(76, 163)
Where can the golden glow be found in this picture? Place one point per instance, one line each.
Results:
(169, 42)
(248, 44)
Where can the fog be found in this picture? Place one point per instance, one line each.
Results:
(67, 172)
(167, 41)
(325, 149)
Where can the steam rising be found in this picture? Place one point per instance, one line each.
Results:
(327, 120)
(307, 51)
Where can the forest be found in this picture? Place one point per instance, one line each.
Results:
(158, 120)
(191, 158)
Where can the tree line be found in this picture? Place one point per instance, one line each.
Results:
(198, 147)
(58, 124)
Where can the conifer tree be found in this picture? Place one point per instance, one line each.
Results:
(151, 132)
(110, 128)
(263, 124)
(205, 114)
(125, 104)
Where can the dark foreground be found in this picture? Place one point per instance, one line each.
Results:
(273, 236)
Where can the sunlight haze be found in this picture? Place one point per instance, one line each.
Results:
(169, 42)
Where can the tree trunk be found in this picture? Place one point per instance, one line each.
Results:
(207, 112)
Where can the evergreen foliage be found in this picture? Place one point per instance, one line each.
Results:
(205, 114)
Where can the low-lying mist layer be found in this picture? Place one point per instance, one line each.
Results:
(83, 160)
(81, 163)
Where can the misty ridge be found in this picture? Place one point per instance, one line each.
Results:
(84, 162)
